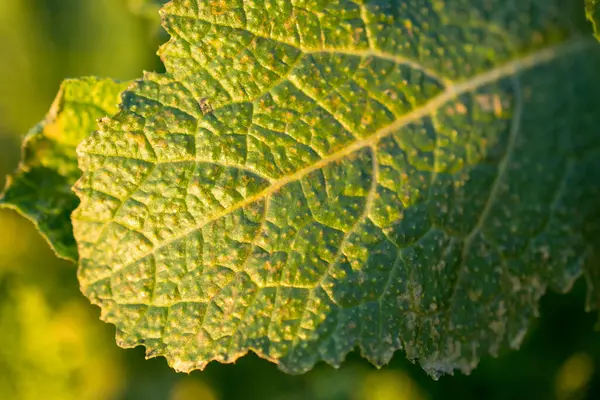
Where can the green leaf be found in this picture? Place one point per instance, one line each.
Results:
(312, 176)
(592, 11)
(41, 187)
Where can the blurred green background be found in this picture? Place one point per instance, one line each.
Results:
(52, 344)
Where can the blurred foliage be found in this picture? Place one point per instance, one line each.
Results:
(55, 347)
(146, 8)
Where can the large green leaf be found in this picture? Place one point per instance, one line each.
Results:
(311, 176)
(41, 187)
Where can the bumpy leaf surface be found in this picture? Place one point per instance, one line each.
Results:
(592, 11)
(41, 187)
(311, 176)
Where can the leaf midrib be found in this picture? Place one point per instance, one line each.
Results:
(540, 57)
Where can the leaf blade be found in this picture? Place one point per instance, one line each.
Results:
(300, 194)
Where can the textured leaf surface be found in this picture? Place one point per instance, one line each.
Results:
(41, 187)
(592, 11)
(311, 176)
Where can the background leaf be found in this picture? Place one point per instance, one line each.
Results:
(41, 188)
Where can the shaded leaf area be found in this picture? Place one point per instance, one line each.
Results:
(41, 187)
(309, 179)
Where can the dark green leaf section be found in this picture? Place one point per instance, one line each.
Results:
(314, 176)
(41, 187)
(592, 11)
